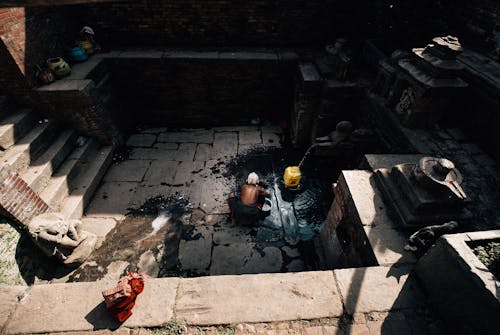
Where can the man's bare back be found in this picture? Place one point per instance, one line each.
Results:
(250, 193)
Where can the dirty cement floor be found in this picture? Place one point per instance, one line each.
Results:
(163, 206)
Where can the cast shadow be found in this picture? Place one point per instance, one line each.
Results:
(100, 318)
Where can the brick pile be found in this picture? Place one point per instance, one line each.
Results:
(19, 200)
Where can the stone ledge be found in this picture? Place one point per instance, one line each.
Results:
(258, 298)
(80, 307)
(484, 235)
(68, 85)
(9, 296)
(77, 80)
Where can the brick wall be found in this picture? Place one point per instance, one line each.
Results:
(34, 34)
(194, 22)
(203, 92)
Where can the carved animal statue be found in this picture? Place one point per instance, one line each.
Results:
(57, 236)
(425, 237)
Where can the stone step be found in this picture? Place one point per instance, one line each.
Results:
(5, 108)
(61, 182)
(29, 148)
(15, 127)
(86, 183)
(38, 174)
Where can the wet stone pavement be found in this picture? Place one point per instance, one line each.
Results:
(167, 194)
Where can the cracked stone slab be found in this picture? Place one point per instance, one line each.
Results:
(80, 307)
(187, 171)
(249, 137)
(225, 145)
(195, 255)
(270, 140)
(213, 196)
(246, 298)
(194, 136)
(111, 200)
(296, 265)
(131, 170)
(152, 154)
(186, 152)
(230, 259)
(161, 171)
(291, 252)
(378, 289)
(166, 146)
(269, 261)
(203, 152)
(141, 140)
(230, 235)
(9, 296)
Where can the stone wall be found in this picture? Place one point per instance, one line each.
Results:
(203, 91)
(258, 23)
(194, 22)
(343, 239)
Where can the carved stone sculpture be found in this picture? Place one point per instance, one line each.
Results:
(57, 236)
(424, 193)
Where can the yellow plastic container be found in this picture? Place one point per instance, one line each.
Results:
(292, 176)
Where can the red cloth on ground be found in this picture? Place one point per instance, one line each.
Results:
(120, 299)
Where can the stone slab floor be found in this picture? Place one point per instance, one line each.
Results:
(374, 300)
(198, 237)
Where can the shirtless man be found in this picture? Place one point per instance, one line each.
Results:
(247, 208)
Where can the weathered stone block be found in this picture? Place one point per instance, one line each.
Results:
(306, 295)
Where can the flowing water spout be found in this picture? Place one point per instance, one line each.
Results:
(306, 154)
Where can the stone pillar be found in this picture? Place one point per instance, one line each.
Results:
(306, 103)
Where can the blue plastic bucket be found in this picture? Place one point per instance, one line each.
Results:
(78, 54)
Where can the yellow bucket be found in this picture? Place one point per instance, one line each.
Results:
(292, 176)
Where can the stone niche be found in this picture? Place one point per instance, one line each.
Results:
(463, 291)
(424, 193)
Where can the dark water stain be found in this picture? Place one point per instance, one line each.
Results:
(121, 154)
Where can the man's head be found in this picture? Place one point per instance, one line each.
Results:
(253, 179)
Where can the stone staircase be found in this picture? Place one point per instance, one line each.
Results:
(60, 167)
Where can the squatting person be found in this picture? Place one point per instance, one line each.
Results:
(247, 208)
